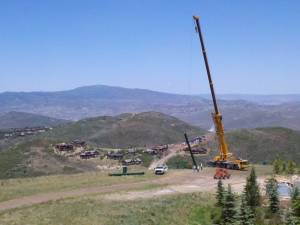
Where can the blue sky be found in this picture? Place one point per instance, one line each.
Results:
(253, 46)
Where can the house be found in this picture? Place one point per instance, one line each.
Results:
(78, 143)
(196, 141)
(160, 149)
(128, 162)
(115, 155)
(196, 150)
(64, 147)
(89, 154)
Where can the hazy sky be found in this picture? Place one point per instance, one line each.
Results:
(253, 45)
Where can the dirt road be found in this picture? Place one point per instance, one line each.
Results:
(182, 181)
(175, 149)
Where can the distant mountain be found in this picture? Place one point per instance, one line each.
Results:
(91, 101)
(21, 120)
(102, 100)
(260, 99)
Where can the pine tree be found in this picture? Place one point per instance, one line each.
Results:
(272, 192)
(290, 219)
(220, 194)
(295, 194)
(291, 167)
(276, 166)
(295, 199)
(283, 167)
(229, 211)
(246, 216)
(251, 191)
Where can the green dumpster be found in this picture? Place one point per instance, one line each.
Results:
(124, 169)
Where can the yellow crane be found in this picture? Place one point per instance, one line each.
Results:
(225, 159)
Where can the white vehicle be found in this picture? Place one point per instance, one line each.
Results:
(160, 169)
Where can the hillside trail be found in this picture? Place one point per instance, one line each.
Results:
(175, 149)
(175, 182)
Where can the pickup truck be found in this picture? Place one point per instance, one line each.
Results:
(160, 169)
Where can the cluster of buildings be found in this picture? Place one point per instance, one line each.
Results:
(21, 132)
(78, 148)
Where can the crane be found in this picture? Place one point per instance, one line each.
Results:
(225, 159)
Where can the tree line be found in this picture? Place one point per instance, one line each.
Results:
(251, 208)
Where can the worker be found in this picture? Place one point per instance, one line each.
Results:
(194, 168)
(201, 166)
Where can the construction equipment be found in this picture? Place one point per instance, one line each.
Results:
(221, 173)
(225, 159)
(190, 149)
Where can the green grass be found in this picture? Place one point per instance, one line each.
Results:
(13, 160)
(14, 188)
(11, 163)
(187, 209)
(184, 161)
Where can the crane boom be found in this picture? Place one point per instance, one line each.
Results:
(225, 158)
(217, 116)
(211, 85)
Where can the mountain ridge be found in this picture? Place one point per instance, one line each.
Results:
(100, 100)
(15, 119)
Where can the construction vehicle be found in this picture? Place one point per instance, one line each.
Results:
(221, 173)
(225, 159)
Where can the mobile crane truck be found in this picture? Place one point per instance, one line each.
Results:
(225, 159)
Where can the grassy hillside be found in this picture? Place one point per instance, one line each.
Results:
(265, 144)
(33, 155)
(21, 120)
(126, 130)
(261, 145)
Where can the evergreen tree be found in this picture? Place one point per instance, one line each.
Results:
(291, 167)
(229, 213)
(289, 218)
(251, 191)
(220, 194)
(295, 199)
(283, 167)
(295, 194)
(246, 216)
(276, 166)
(272, 192)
